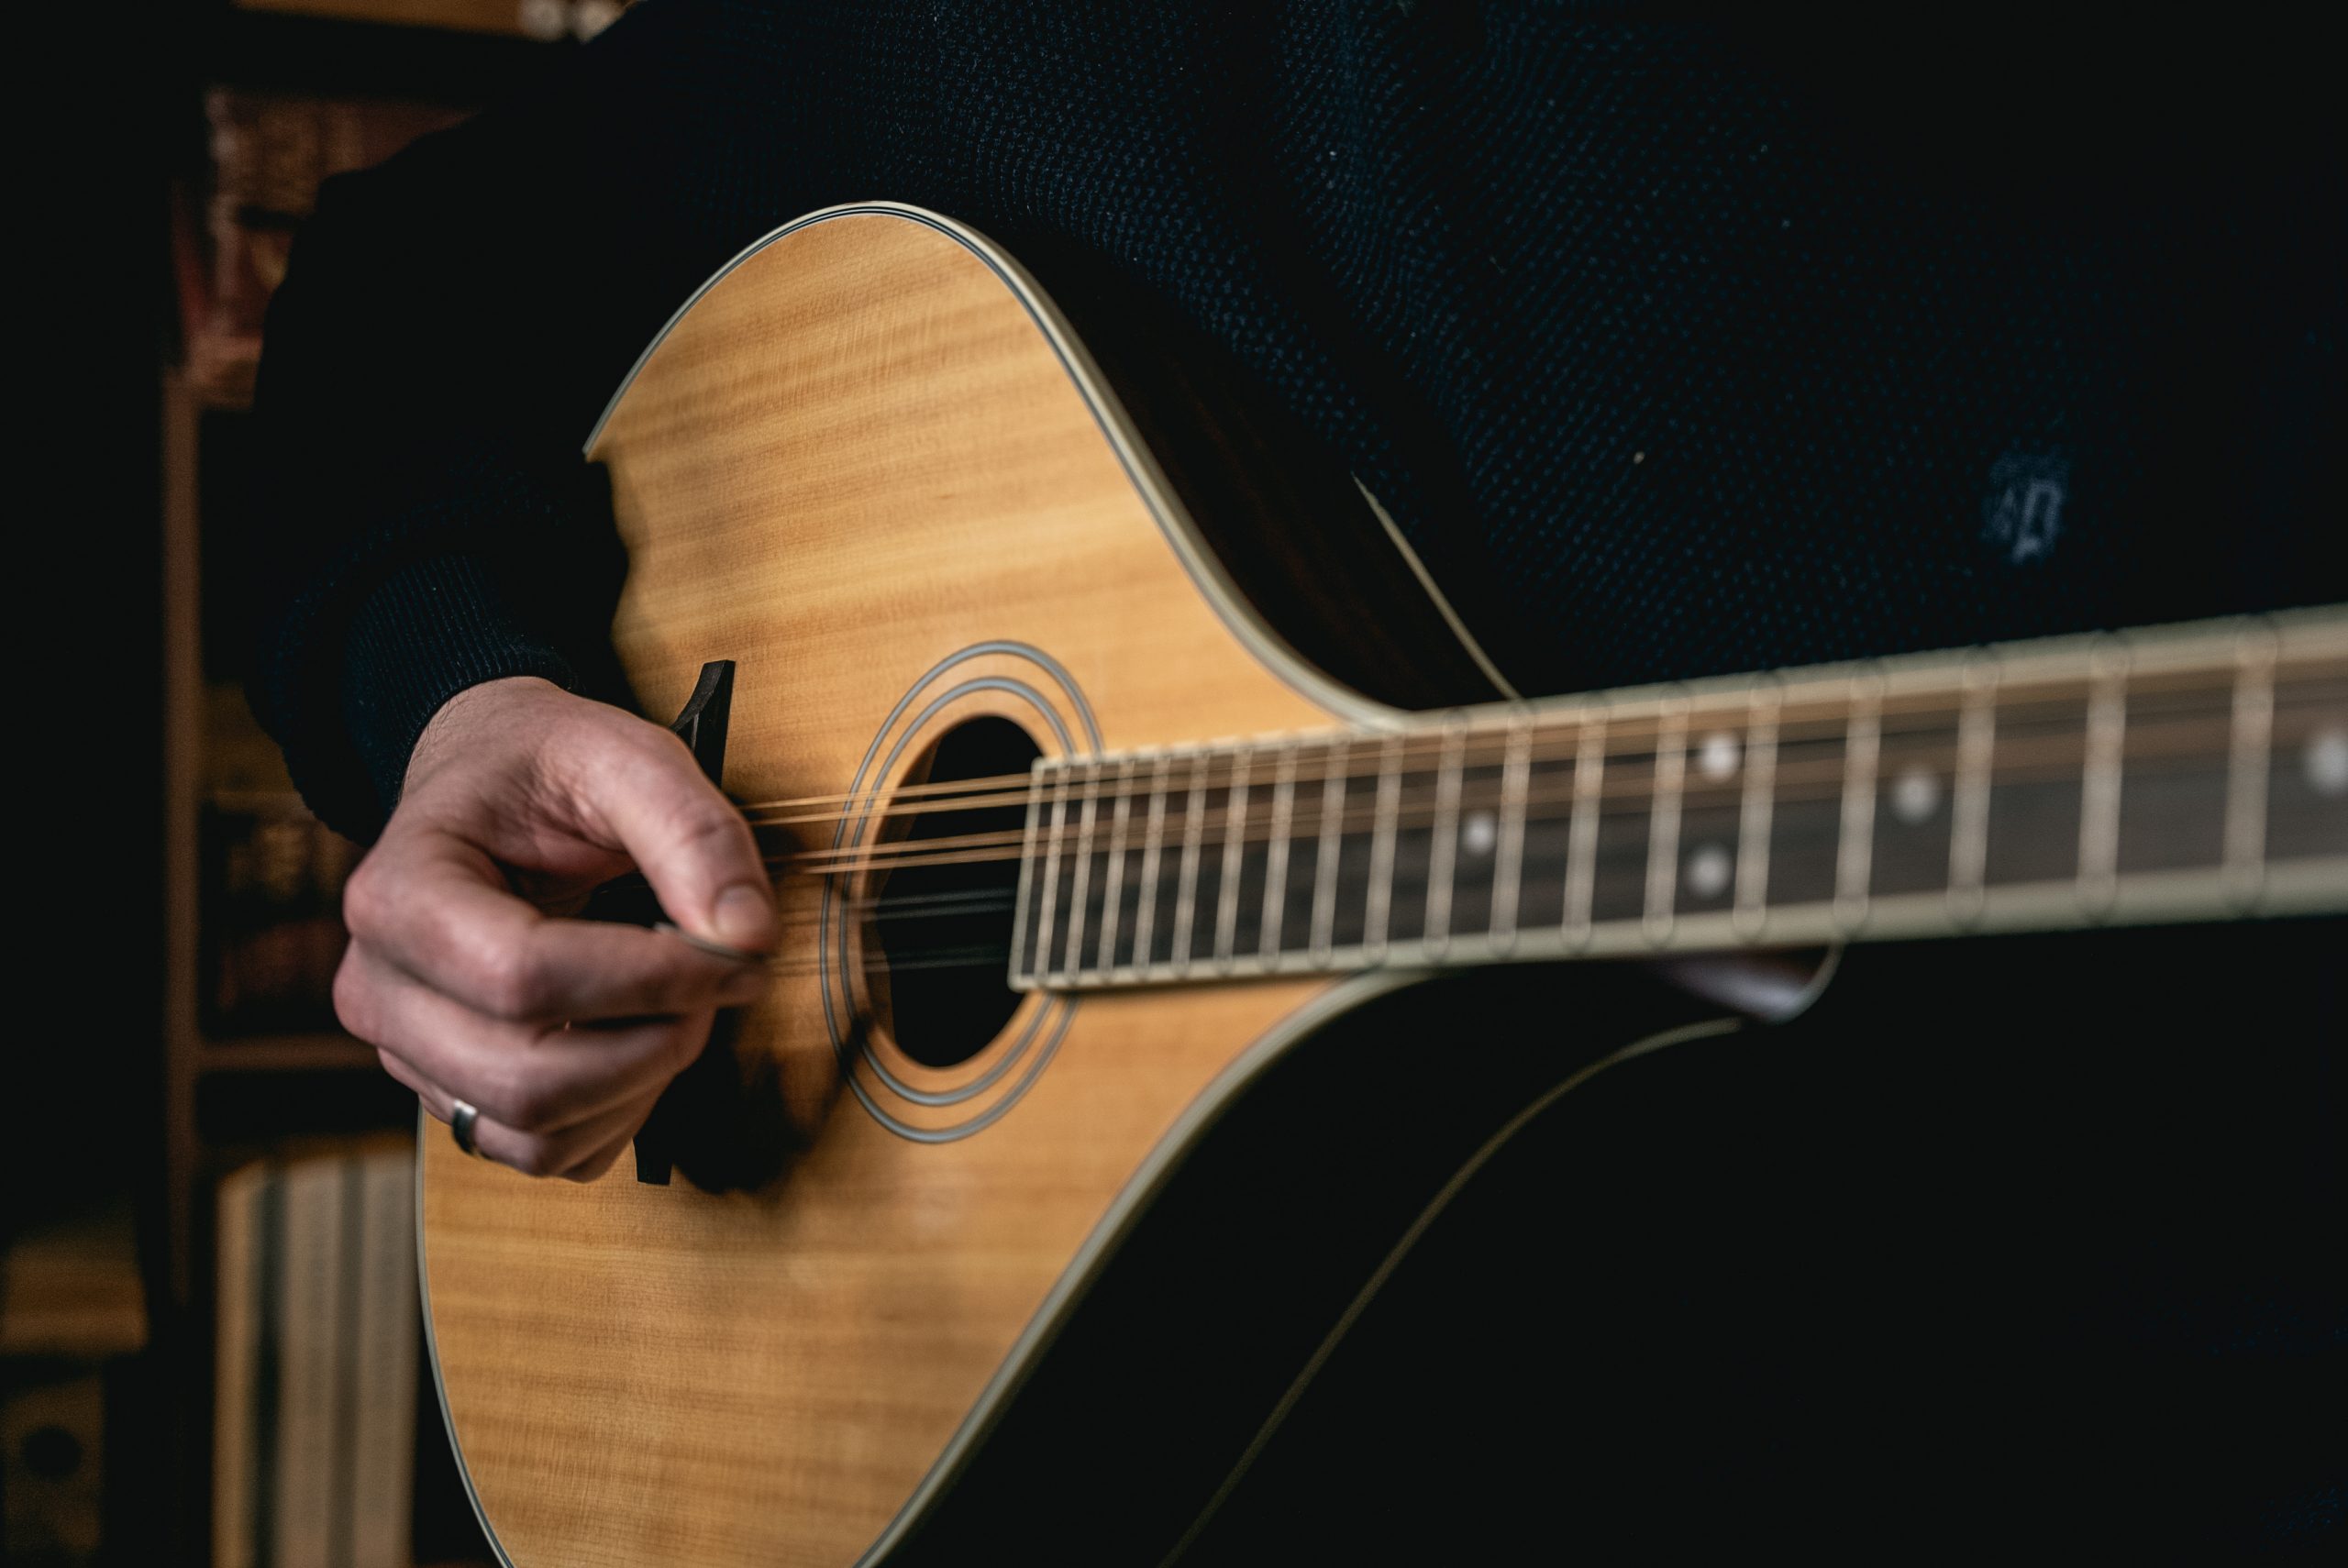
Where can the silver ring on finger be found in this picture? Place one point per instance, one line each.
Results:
(461, 1118)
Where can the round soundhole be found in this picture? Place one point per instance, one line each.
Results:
(940, 913)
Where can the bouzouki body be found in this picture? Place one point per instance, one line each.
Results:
(892, 1282)
(869, 468)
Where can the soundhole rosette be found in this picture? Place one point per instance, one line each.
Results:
(930, 1039)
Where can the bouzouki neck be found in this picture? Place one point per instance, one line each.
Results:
(2191, 772)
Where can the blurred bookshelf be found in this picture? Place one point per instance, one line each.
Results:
(546, 20)
(285, 1218)
(74, 1328)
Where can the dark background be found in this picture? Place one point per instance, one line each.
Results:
(125, 121)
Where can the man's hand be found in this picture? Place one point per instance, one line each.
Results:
(520, 800)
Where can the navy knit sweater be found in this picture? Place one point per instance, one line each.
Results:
(1716, 346)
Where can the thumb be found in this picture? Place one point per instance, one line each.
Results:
(691, 844)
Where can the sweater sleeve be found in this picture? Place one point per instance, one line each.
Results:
(450, 324)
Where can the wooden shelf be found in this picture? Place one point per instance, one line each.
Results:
(541, 20)
(284, 1053)
(73, 1291)
(248, 879)
(219, 374)
(515, 18)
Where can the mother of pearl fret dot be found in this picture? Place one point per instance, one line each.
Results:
(1717, 757)
(1707, 870)
(1915, 794)
(2326, 761)
(1479, 833)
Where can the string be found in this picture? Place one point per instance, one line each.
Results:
(2040, 735)
(970, 903)
(2056, 761)
(1429, 736)
(2018, 760)
(1273, 760)
(1626, 779)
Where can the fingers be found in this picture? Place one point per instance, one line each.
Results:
(689, 842)
(531, 1078)
(581, 1152)
(561, 1032)
(438, 909)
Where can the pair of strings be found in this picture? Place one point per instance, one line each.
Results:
(1296, 762)
(906, 955)
(1794, 715)
(2019, 759)
(974, 902)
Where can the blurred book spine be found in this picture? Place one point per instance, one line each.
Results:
(383, 1443)
(273, 931)
(314, 1391)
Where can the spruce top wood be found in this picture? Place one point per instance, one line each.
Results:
(943, 1264)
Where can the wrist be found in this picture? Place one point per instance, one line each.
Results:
(482, 712)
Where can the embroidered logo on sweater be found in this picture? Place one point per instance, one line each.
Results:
(2022, 515)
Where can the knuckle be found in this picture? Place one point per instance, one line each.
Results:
(535, 1157)
(521, 1100)
(354, 1000)
(634, 755)
(365, 899)
(514, 985)
(535, 1104)
(714, 832)
(688, 988)
(658, 759)
(657, 744)
(684, 1042)
(404, 1074)
(593, 1168)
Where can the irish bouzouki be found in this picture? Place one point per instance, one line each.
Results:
(964, 1236)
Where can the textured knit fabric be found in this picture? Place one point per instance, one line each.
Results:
(1718, 347)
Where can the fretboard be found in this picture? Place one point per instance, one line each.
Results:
(2186, 773)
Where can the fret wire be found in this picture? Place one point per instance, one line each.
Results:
(1275, 855)
(1153, 836)
(2051, 755)
(1443, 847)
(2099, 778)
(2054, 758)
(1785, 740)
(1186, 894)
(1381, 847)
(1226, 901)
(1507, 865)
(1324, 873)
(1027, 869)
(1968, 832)
(1854, 854)
(2251, 739)
(1488, 742)
(1663, 819)
(1751, 909)
(2059, 757)
(1051, 874)
(1083, 854)
(1581, 836)
(2003, 727)
(1112, 891)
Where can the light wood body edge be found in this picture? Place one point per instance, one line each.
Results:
(862, 451)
